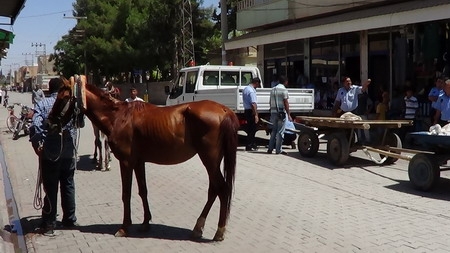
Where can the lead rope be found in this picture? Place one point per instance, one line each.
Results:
(38, 204)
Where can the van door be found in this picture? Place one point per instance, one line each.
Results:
(191, 81)
(176, 94)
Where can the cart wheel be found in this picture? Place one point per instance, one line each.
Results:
(392, 140)
(337, 148)
(308, 143)
(423, 172)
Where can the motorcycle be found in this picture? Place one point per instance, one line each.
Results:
(25, 121)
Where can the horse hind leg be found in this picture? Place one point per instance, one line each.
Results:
(216, 183)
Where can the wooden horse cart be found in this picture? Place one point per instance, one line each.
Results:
(425, 166)
(341, 137)
(427, 154)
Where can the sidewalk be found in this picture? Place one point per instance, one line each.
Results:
(281, 203)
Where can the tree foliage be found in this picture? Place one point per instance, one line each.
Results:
(118, 37)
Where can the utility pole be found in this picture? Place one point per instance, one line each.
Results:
(26, 59)
(83, 33)
(187, 32)
(44, 55)
(224, 28)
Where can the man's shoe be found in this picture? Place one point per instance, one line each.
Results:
(269, 151)
(282, 152)
(251, 149)
(50, 233)
(46, 231)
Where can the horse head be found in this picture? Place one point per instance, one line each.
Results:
(68, 104)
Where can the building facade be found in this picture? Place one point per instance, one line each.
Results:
(395, 43)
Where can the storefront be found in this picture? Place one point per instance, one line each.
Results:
(396, 48)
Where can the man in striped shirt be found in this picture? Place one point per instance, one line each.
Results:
(411, 106)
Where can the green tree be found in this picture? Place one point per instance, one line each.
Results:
(119, 36)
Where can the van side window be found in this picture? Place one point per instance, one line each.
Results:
(191, 80)
(229, 78)
(210, 78)
(246, 78)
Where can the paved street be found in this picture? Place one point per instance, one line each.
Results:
(282, 203)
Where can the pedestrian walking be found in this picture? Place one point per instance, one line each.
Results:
(279, 112)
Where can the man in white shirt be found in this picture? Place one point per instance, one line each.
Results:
(133, 96)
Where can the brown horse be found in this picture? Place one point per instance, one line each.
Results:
(139, 132)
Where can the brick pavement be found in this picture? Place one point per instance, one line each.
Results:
(281, 204)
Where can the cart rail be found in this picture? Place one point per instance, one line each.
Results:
(331, 122)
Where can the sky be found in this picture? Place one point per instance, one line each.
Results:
(42, 23)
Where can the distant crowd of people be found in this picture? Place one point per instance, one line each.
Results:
(355, 99)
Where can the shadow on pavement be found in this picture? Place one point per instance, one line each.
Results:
(157, 231)
(440, 192)
(85, 163)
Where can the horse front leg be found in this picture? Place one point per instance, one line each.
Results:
(139, 171)
(126, 174)
(107, 155)
(96, 146)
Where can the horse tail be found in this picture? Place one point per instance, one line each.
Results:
(229, 129)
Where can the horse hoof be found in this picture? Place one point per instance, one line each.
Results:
(121, 233)
(219, 236)
(196, 234)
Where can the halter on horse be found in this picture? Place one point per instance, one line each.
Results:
(139, 132)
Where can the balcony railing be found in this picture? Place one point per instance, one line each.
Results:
(246, 4)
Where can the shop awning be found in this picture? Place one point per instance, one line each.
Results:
(6, 36)
(9, 10)
(375, 18)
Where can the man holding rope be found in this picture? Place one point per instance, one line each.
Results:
(57, 162)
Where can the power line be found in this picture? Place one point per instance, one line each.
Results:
(45, 14)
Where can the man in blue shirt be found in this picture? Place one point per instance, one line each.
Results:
(57, 164)
(347, 97)
(442, 115)
(250, 102)
(433, 95)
